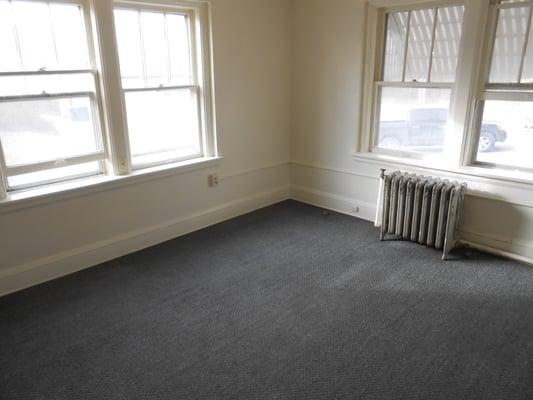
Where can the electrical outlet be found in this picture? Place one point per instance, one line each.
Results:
(212, 180)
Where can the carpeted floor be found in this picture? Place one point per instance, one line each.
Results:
(288, 302)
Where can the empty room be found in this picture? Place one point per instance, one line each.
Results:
(266, 199)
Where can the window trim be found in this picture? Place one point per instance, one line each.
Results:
(95, 99)
(497, 91)
(377, 77)
(115, 159)
(201, 83)
(471, 74)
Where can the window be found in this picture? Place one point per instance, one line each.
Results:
(504, 124)
(421, 50)
(451, 85)
(102, 89)
(49, 116)
(159, 80)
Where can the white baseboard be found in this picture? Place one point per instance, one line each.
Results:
(334, 202)
(64, 263)
(505, 247)
(57, 265)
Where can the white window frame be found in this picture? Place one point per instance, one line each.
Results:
(497, 91)
(479, 25)
(376, 31)
(96, 106)
(115, 159)
(196, 69)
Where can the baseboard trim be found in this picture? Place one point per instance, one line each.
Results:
(334, 202)
(478, 241)
(68, 262)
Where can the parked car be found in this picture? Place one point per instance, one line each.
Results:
(425, 128)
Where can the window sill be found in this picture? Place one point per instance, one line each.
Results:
(498, 184)
(45, 194)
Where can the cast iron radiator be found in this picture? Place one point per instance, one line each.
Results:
(421, 209)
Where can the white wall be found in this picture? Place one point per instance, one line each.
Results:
(252, 87)
(327, 63)
(287, 77)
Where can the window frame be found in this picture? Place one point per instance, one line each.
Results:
(378, 71)
(472, 70)
(497, 91)
(95, 98)
(199, 82)
(115, 162)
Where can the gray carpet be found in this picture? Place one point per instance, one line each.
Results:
(288, 302)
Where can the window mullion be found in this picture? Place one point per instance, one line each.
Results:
(432, 48)
(16, 34)
(111, 86)
(405, 50)
(524, 47)
(143, 50)
(54, 41)
(463, 106)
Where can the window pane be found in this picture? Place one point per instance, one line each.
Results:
(527, 72)
(419, 46)
(10, 59)
(395, 46)
(50, 36)
(179, 49)
(70, 36)
(413, 119)
(129, 47)
(506, 136)
(162, 125)
(447, 42)
(53, 175)
(509, 44)
(153, 48)
(46, 130)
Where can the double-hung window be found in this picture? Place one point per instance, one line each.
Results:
(91, 88)
(160, 80)
(504, 116)
(50, 125)
(416, 80)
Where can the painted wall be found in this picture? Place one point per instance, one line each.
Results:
(327, 81)
(251, 40)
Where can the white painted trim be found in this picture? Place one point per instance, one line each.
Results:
(513, 191)
(498, 252)
(336, 170)
(334, 202)
(22, 276)
(500, 246)
(52, 193)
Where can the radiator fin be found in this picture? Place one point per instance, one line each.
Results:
(422, 209)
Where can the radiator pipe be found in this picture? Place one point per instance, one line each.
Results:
(379, 208)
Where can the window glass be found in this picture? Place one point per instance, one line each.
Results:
(509, 44)
(163, 122)
(46, 117)
(49, 36)
(171, 119)
(395, 46)
(447, 42)
(506, 134)
(413, 119)
(419, 46)
(46, 130)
